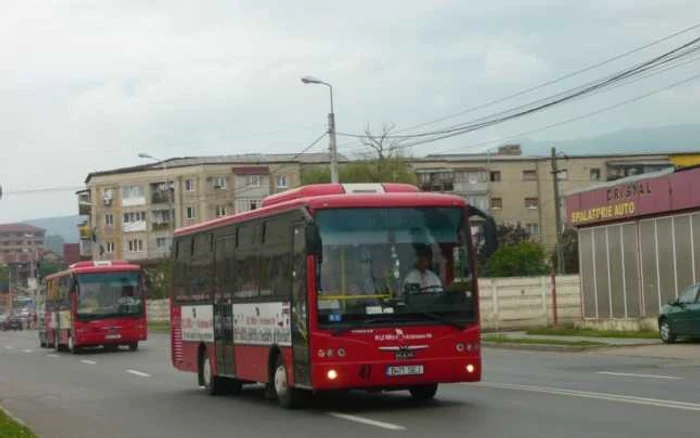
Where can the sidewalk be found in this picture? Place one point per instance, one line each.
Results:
(518, 335)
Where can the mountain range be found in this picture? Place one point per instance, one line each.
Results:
(64, 226)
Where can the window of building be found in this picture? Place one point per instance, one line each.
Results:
(595, 174)
(281, 181)
(189, 185)
(220, 183)
(243, 205)
(135, 245)
(496, 203)
(190, 213)
(109, 247)
(532, 203)
(162, 242)
(562, 174)
(533, 229)
(220, 211)
(132, 192)
(254, 181)
(496, 176)
(109, 220)
(134, 216)
(529, 175)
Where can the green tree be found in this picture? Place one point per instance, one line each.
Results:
(522, 259)
(506, 234)
(4, 278)
(47, 268)
(159, 279)
(383, 162)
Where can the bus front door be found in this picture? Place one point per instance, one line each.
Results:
(223, 308)
(299, 305)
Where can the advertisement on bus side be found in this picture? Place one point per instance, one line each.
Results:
(262, 323)
(197, 323)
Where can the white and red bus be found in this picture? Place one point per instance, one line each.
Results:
(92, 304)
(324, 288)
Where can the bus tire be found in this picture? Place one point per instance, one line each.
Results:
(424, 392)
(288, 398)
(133, 346)
(72, 349)
(214, 385)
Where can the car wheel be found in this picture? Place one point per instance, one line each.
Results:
(665, 332)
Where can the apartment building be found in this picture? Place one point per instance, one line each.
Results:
(21, 243)
(517, 188)
(131, 212)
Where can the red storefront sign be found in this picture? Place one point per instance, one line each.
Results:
(643, 197)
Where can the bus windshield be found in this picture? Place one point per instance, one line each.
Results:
(383, 266)
(109, 295)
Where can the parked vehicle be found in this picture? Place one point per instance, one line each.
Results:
(681, 316)
(12, 322)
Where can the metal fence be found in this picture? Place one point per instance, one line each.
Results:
(630, 270)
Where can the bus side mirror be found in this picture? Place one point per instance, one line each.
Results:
(314, 245)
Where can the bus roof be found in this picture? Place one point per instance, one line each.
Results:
(97, 266)
(325, 196)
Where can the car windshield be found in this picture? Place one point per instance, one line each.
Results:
(109, 294)
(394, 265)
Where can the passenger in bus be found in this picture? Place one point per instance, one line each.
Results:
(422, 277)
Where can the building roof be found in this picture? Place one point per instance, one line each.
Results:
(20, 228)
(511, 157)
(241, 159)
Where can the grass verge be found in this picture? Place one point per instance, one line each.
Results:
(159, 326)
(9, 428)
(503, 339)
(572, 331)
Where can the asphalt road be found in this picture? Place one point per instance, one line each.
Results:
(524, 394)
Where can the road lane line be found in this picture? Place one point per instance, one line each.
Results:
(138, 373)
(672, 404)
(53, 355)
(28, 351)
(367, 421)
(89, 362)
(644, 376)
(9, 347)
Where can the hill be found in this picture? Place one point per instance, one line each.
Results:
(64, 226)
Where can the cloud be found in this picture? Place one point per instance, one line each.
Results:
(88, 85)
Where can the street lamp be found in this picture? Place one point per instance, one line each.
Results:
(171, 212)
(331, 127)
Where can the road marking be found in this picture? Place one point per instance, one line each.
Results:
(672, 404)
(28, 351)
(89, 362)
(367, 421)
(53, 355)
(645, 376)
(9, 347)
(138, 373)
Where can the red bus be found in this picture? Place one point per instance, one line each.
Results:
(328, 287)
(91, 304)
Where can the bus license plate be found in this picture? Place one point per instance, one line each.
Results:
(409, 370)
(116, 336)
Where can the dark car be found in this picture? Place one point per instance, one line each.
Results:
(681, 316)
(13, 322)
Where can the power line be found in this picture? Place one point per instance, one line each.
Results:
(573, 119)
(556, 80)
(556, 99)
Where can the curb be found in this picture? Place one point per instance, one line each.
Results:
(13, 417)
(542, 347)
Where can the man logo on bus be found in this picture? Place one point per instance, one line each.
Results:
(194, 313)
(399, 333)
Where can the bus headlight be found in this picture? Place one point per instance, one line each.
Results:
(332, 374)
(470, 368)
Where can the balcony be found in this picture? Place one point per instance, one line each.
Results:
(159, 197)
(85, 232)
(623, 169)
(84, 203)
(161, 226)
(86, 248)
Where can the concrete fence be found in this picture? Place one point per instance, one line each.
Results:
(505, 303)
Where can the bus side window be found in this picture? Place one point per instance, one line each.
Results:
(181, 272)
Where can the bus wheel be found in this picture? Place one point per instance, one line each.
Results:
(134, 346)
(424, 392)
(288, 398)
(212, 384)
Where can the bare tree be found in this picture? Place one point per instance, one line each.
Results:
(386, 153)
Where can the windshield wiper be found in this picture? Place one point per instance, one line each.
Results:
(443, 320)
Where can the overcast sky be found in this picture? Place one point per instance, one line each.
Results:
(87, 85)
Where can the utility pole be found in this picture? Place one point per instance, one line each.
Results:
(557, 212)
(332, 145)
